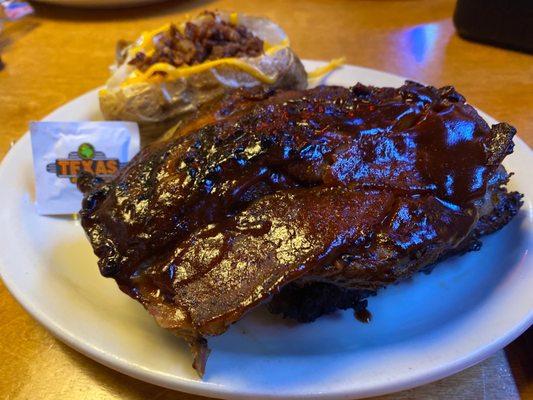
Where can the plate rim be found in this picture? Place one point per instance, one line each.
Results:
(211, 389)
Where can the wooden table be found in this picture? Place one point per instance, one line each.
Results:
(61, 53)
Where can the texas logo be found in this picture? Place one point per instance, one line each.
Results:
(85, 159)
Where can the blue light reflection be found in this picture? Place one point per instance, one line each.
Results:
(420, 40)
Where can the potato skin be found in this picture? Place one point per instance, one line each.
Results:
(159, 106)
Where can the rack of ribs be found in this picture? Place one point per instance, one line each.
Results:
(307, 200)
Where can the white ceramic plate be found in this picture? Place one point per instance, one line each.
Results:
(423, 330)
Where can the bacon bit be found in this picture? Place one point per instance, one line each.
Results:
(208, 40)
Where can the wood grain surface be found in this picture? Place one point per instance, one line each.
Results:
(60, 53)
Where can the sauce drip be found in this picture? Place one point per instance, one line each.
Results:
(363, 315)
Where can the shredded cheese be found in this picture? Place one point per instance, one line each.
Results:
(172, 72)
(234, 18)
(321, 71)
(145, 44)
(269, 49)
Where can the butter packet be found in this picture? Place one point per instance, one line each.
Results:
(61, 150)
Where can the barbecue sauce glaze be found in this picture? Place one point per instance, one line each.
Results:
(427, 153)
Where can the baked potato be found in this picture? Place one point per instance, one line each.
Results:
(168, 74)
